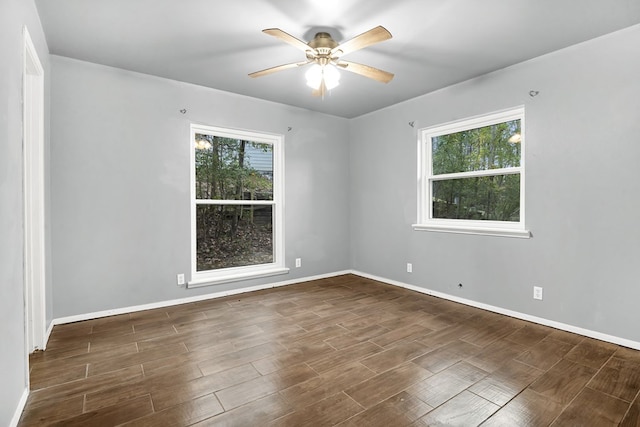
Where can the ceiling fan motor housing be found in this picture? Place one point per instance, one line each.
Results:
(323, 43)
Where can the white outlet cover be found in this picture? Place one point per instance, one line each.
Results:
(537, 292)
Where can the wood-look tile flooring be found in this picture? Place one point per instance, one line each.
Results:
(342, 351)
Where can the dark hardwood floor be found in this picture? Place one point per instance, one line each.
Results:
(342, 351)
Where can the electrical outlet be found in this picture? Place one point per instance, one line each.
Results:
(537, 292)
(298, 262)
(180, 279)
(409, 267)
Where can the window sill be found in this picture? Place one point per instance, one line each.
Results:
(483, 231)
(216, 280)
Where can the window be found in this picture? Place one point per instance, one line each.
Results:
(472, 176)
(236, 202)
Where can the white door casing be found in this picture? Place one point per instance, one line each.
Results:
(33, 192)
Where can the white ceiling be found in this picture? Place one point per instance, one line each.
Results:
(216, 43)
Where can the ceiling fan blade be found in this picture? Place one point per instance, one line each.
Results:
(287, 38)
(373, 36)
(367, 71)
(278, 68)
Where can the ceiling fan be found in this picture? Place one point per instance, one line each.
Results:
(325, 54)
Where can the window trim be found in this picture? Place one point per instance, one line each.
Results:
(232, 274)
(425, 178)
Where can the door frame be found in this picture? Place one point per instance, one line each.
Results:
(33, 193)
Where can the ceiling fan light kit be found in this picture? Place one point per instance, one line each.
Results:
(318, 74)
(325, 54)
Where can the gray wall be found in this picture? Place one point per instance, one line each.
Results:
(582, 191)
(14, 15)
(120, 184)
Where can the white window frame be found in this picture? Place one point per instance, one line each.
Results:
(425, 178)
(224, 275)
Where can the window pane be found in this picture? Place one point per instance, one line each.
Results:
(494, 198)
(233, 236)
(489, 147)
(233, 169)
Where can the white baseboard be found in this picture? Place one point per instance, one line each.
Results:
(161, 304)
(47, 335)
(21, 404)
(563, 326)
(542, 321)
